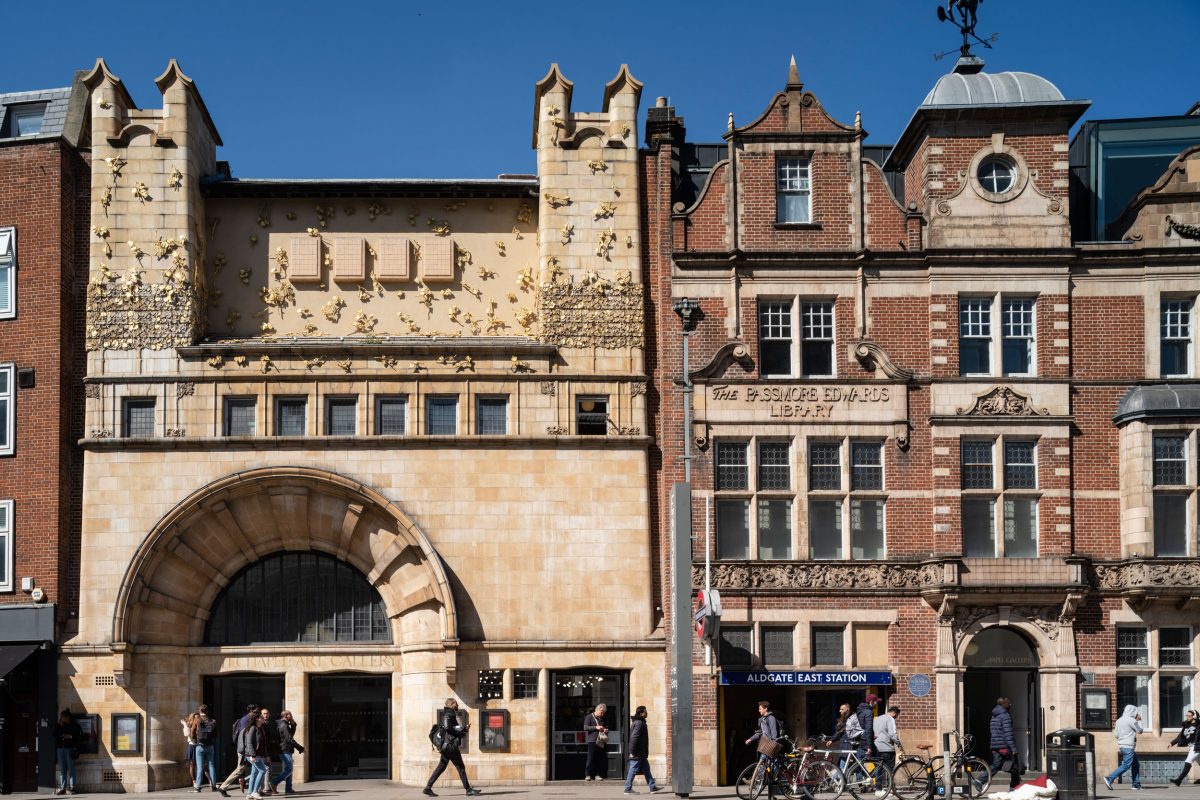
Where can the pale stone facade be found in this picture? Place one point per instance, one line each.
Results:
(522, 545)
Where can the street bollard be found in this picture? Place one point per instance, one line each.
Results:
(947, 780)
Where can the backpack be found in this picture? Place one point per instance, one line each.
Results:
(206, 732)
(854, 729)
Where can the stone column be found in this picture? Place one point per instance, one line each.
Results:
(295, 699)
(166, 690)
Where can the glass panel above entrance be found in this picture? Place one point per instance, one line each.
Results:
(1000, 647)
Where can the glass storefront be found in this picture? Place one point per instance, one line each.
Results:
(573, 696)
(348, 726)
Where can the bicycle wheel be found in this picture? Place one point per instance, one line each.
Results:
(974, 776)
(788, 778)
(910, 779)
(874, 780)
(762, 776)
(822, 780)
(742, 785)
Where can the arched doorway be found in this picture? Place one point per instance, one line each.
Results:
(1000, 662)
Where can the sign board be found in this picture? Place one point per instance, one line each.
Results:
(1096, 704)
(806, 678)
(919, 685)
(493, 729)
(708, 615)
(804, 402)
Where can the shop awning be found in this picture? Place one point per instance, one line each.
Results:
(11, 656)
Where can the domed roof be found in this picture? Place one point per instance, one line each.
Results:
(1002, 88)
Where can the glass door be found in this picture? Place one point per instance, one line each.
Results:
(573, 696)
(349, 726)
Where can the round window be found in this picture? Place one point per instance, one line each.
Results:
(996, 175)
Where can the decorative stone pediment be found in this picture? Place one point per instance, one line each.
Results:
(1002, 401)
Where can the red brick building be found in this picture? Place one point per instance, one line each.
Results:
(44, 208)
(935, 450)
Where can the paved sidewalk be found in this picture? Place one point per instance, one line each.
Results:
(608, 790)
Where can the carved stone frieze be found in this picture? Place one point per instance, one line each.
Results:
(820, 576)
(1142, 575)
(557, 430)
(176, 433)
(1002, 401)
(92, 391)
(185, 389)
(141, 316)
(548, 387)
(637, 389)
(1044, 617)
(574, 315)
(1186, 231)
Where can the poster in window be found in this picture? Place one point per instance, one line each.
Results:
(126, 734)
(90, 725)
(493, 729)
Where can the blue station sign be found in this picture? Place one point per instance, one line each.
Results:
(807, 678)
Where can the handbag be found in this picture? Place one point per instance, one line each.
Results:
(602, 738)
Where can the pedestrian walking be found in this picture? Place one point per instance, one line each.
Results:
(67, 738)
(865, 727)
(1125, 732)
(447, 736)
(242, 768)
(596, 736)
(1188, 738)
(768, 726)
(887, 737)
(253, 747)
(1004, 742)
(639, 751)
(271, 746)
(188, 723)
(204, 738)
(841, 739)
(288, 746)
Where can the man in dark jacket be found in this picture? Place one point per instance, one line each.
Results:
(639, 751)
(270, 733)
(866, 723)
(288, 747)
(253, 747)
(67, 738)
(243, 768)
(1004, 742)
(450, 733)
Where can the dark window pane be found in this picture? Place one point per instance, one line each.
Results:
(976, 465)
(824, 466)
(774, 466)
(817, 358)
(825, 529)
(734, 648)
(1170, 525)
(289, 417)
(1174, 695)
(1020, 527)
(732, 466)
(1175, 647)
(775, 338)
(1134, 690)
(733, 529)
(1174, 358)
(441, 416)
(974, 357)
(139, 417)
(777, 650)
(775, 358)
(240, 413)
(827, 646)
(389, 416)
(1019, 469)
(1170, 466)
(491, 684)
(491, 416)
(866, 466)
(1016, 354)
(979, 528)
(341, 417)
(525, 683)
(591, 416)
(774, 529)
(866, 529)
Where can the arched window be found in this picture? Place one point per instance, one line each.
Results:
(297, 597)
(1000, 647)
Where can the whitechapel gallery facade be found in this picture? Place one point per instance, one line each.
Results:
(353, 447)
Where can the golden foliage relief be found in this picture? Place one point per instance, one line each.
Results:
(575, 315)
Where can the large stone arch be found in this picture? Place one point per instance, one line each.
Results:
(194, 551)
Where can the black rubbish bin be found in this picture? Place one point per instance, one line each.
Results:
(1068, 763)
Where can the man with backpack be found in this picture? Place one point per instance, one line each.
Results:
(447, 735)
(860, 726)
(204, 734)
(243, 768)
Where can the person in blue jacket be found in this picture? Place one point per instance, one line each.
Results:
(1004, 742)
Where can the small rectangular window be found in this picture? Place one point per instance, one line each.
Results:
(491, 684)
(979, 528)
(976, 464)
(591, 416)
(866, 468)
(26, 120)
(1170, 461)
(491, 416)
(828, 646)
(6, 545)
(816, 339)
(1174, 697)
(777, 647)
(138, 417)
(341, 416)
(1134, 690)
(734, 648)
(8, 410)
(390, 414)
(975, 336)
(824, 466)
(1133, 647)
(774, 529)
(239, 416)
(775, 338)
(866, 530)
(1020, 527)
(774, 466)
(1019, 470)
(1016, 315)
(825, 529)
(525, 684)
(793, 190)
(732, 466)
(441, 415)
(1170, 525)
(733, 529)
(1175, 647)
(291, 416)
(1175, 343)
(8, 273)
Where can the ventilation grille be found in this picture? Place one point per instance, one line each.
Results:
(106, 680)
(112, 776)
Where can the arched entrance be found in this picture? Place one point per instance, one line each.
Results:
(1000, 662)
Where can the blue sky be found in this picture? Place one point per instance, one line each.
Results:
(445, 89)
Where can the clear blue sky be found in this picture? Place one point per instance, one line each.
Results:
(445, 89)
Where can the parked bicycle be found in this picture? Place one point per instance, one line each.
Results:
(916, 778)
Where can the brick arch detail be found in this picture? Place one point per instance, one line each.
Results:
(197, 548)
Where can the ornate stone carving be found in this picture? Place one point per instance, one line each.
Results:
(1002, 401)
(820, 576)
(176, 433)
(1139, 574)
(637, 389)
(602, 315)
(557, 430)
(100, 433)
(549, 387)
(185, 389)
(1186, 231)
(872, 356)
(1044, 617)
(967, 616)
(729, 352)
(134, 316)
(92, 391)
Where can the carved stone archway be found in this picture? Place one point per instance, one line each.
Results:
(201, 544)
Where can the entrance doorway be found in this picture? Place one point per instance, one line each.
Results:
(227, 697)
(1002, 663)
(348, 726)
(573, 696)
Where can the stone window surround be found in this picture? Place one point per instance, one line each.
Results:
(1192, 350)
(846, 493)
(1180, 282)
(6, 547)
(1021, 172)
(796, 343)
(804, 620)
(999, 491)
(8, 261)
(996, 346)
(1127, 618)
(1191, 449)
(752, 493)
(803, 155)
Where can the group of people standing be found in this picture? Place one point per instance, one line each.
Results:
(260, 742)
(595, 729)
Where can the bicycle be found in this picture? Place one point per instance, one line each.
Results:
(773, 772)
(917, 778)
(865, 777)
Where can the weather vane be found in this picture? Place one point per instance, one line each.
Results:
(963, 14)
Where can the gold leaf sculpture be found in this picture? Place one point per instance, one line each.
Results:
(455, 206)
(375, 208)
(244, 276)
(526, 317)
(264, 363)
(554, 270)
(462, 258)
(439, 227)
(316, 362)
(263, 220)
(512, 297)
(311, 330)
(312, 232)
(525, 279)
(164, 247)
(525, 213)
(606, 209)
(390, 362)
(566, 233)
(253, 239)
(454, 313)
(557, 201)
(324, 214)
(232, 317)
(349, 211)
(267, 329)
(416, 366)
(239, 360)
(363, 295)
(628, 241)
(305, 312)
(346, 364)
(484, 273)
(447, 294)
(115, 165)
(141, 192)
(604, 243)
(106, 199)
(464, 364)
(281, 257)
(333, 309)
(219, 262)
(412, 218)
(597, 165)
(216, 362)
(517, 365)
(500, 248)
(291, 215)
(472, 290)
(102, 234)
(426, 296)
(175, 181)
(517, 233)
(364, 322)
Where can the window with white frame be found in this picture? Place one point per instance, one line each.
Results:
(8, 273)
(6, 545)
(775, 338)
(1174, 493)
(764, 509)
(1009, 486)
(8, 409)
(978, 344)
(1155, 672)
(816, 338)
(846, 501)
(1175, 342)
(793, 190)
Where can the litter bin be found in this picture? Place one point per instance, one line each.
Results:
(1070, 763)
